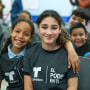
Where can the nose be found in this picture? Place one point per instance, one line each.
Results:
(20, 35)
(78, 37)
(49, 31)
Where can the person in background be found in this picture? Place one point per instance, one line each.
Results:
(5, 33)
(46, 64)
(27, 15)
(2, 6)
(11, 57)
(79, 15)
(78, 36)
(16, 8)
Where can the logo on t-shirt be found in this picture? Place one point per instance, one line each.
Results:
(55, 77)
(50, 75)
(36, 71)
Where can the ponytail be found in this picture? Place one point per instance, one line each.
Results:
(4, 49)
(63, 37)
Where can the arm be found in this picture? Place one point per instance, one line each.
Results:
(27, 83)
(72, 57)
(0, 84)
(20, 6)
(72, 83)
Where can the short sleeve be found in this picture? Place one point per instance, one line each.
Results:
(1, 74)
(70, 73)
(27, 64)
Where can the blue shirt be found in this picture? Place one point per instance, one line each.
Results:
(11, 54)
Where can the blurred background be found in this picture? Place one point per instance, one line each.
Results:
(35, 7)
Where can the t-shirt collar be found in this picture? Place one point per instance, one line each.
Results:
(11, 54)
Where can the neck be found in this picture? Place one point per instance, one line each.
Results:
(50, 47)
(16, 50)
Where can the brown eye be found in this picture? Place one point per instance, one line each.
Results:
(74, 35)
(44, 27)
(26, 34)
(54, 27)
(17, 31)
(81, 34)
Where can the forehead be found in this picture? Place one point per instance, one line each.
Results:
(23, 24)
(24, 15)
(78, 30)
(49, 21)
(78, 17)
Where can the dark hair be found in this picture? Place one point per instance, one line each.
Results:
(77, 25)
(82, 12)
(51, 13)
(24, 11)
(8, 41)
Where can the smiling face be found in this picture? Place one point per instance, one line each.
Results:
(49, 30)
(78, 37)
(21, 35)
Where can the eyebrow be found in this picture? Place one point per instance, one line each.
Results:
(47, 25)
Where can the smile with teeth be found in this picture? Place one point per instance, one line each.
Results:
(19, 42)
(78, 42)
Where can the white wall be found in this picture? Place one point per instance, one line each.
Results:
(62, 6)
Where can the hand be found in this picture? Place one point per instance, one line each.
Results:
(73, 60)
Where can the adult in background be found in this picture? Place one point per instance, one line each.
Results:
(2, 6)
(17, 7)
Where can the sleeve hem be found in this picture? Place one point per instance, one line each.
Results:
(26, 73)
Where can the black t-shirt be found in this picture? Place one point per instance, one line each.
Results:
(48, 69)
(12, 71)
(83, 49)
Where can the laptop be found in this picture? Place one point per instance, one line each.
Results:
(84, 72)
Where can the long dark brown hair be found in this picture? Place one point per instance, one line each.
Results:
(63, 37)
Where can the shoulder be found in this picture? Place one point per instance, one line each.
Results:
(33, 44)
(3, 56)
(33, 47)
(63, 54)
(63, 50)
(88, 44)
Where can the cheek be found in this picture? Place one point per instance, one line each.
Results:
(72, 38)
(28, 39)
(41, 32)
(56, 34)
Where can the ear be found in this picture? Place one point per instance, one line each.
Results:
(70, 37)
(86, 25)
(31, 19)
(86, 36)
(38, 28)
(60, 29)
(30, 39)
(11, 31)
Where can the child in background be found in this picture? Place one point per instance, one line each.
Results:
(79, 15)
(46, 64)
(78, 36)
(11, 58)
(27, 15)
